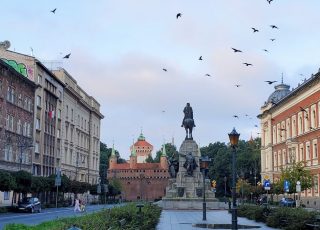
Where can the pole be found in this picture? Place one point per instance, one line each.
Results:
(204, 205)
(234, 204)
(57, 197)
(20, 157)
(225, 189)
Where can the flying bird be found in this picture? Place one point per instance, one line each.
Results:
(235, 116)
(179, 15)
(247, 115)
(256, 126)
(208, 75)
(302, 109)
(272, 39)
(274, 27)
(200, 58)
(247, 64)
(265, 50)
(269, 1)
(236, 50)
(165, 70)
(270, 82)
(237, 86)
(67, 56)
(254, 29)
(163, 111)
(54, 10)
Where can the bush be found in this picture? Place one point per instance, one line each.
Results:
(290, 218)
(253, 212)
(104, 219)
(3, 209)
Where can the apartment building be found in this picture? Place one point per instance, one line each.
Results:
(290, 132)
(81, 131)
(16, 119)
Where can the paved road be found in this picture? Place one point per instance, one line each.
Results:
(45, 215)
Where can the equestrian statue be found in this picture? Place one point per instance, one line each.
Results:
(188, 122)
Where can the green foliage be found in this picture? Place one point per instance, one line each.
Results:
(253, 212)
(290, 218)
(293, 173)
(114, 187)
(39, 184)
(243, 187)
(106, 219)
(170, 151)
(7, 181)
(23, 181)
(149, 159)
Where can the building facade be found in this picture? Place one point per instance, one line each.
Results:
(16, 119)
(146, 181)
(81, 131)
(142, 148)
(290, 128)
(67, 121)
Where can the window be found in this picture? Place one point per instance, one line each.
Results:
(71, 114)
(59, 114)
(36, 147)
(8, 153)
(308, 154)
(67, 111)
(20, 100)
(38, 126)
(58, 133)
(24, 132)
(6, 195)
(39, 79)
(9, 122)
(29, 130)
(315, 150)
(315, 184)
(38, 101)
(19, 127)
(10, 94)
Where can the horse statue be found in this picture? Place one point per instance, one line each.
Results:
(188, 125)
(188, 122)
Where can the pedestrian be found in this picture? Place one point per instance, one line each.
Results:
(77, 205)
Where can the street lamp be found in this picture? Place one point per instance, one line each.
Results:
(204, 164)
(234, 139)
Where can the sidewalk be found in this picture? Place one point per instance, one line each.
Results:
(183, 220)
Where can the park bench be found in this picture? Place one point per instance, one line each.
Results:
(315, 224)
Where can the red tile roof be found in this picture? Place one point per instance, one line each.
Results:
(142, 143)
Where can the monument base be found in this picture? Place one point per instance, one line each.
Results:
(190, 204)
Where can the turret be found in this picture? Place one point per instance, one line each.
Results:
(133, 158)
(113, 158)
(163, 158)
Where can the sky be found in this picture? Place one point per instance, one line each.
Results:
(119, 49)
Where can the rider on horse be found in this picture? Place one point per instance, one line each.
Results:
(188, 113)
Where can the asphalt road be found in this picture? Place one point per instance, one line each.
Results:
(45, 215)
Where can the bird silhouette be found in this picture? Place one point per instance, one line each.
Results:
(165, 70)
(272, 39)
(246, 115)
(237, 86)
(269, 1)
(179, 15)
(236, 50)
(258, 133)
(163, 111)
(208, 75)
(302, 109)
(235, 116)
(54, 10)
(247, 64)
(274, 27)
(265, 50)
(256, 126)
(254, 29)
(270, 82)
(67, 56)
(200, 58)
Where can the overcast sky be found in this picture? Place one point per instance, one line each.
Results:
(119, 48)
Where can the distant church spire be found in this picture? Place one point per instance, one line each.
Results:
(133, 151)
(113, 152)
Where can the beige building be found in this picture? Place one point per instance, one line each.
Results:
(80, 130)
(290, 128)
(66, 130)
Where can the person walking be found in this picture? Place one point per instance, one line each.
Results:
(77, 205)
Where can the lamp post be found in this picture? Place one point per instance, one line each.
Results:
(234, 139)
(204, 164)
(225, 189)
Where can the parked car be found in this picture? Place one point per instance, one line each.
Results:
(287, 202)
(29, 204)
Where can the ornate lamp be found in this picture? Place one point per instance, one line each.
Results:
(204, 165)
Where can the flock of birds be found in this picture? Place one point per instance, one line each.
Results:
(255, 30)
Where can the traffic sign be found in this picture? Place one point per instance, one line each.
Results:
(286, 186)
(266, 184)
(298, 186)
(57, 181)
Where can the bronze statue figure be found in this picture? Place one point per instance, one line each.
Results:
(188, 122)
(173, 166)
(190, 164)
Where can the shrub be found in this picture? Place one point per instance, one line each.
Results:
(3, 209)
(290, 218)
(253, 212)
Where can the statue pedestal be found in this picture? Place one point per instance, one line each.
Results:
(185, 191)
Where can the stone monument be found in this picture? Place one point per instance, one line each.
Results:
(185, 189)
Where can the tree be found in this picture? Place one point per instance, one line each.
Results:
(114, 187)
(7, 181)
(296, 172)
(149, 159)
(23, 181)
(170, 151)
